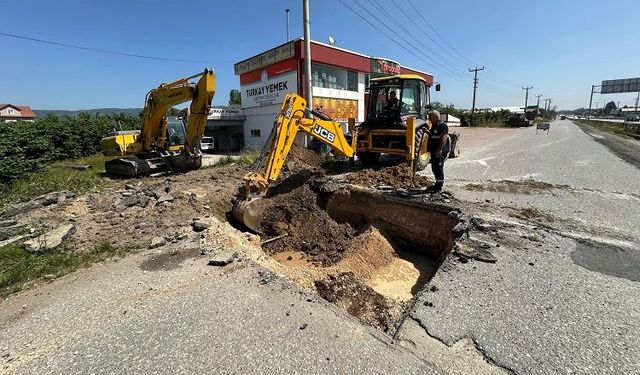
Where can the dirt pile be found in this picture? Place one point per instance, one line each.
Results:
(359, 300)
(397, 176)
(308, 228)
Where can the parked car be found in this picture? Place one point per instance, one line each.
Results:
(207, 144)
(632, 118)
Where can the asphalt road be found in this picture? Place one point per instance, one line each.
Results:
(559, 300)
(595, 174)
(562, 298)
(116, 318)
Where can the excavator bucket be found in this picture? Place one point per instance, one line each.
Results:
(249, 212)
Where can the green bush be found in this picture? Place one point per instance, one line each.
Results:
(28, 147)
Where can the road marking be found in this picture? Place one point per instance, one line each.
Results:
(482, 162)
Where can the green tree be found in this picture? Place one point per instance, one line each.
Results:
(234, 97)
(610, 107)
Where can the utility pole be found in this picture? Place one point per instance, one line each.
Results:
(538, 105)
(307, 56)
(287, 15)
(593, 89)
(475, 86)
(637, 100)
(526, 98)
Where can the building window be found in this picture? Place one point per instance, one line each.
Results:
(255, 132)
(334, 78)
(367, 77)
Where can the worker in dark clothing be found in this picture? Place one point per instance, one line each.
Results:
(439, 146)
(393, 106)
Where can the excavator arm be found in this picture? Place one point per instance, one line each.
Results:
(291, 119)
(162, 98)
(148, 151)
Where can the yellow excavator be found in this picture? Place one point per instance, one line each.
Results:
(158, 146)
(401, 131)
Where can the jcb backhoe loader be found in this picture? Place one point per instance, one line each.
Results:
(154, 148)
(402, 132)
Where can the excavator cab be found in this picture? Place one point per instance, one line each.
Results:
(176, 133)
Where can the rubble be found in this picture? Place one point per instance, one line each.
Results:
(49, 240)
(199, 226)
(157, 242)
(223, 258)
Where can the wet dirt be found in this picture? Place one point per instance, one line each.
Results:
(167, 261)
(309, 228)
(348, 292)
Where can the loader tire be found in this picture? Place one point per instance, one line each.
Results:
(421, 152)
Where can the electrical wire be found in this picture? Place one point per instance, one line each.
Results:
(60, 44)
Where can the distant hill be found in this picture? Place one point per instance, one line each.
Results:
(92, 112)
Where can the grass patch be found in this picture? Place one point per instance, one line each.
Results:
(19, 268)
(58, 176)
(494, 124)
(247, 157)
(620, 128)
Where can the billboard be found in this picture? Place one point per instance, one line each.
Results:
(615, 86)
(269, 90)
(382, 67)
(272, 56)
(338, 109)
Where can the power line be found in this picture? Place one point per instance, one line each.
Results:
(60, 44)
(412, 52)
(456, 76)
(489, 71)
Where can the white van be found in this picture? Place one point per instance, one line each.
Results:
(207, 144)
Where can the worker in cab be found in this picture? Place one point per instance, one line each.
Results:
(438, 146)
(392, 104)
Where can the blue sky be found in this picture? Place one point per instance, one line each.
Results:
(560, 47)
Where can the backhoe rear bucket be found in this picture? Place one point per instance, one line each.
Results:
(249, 212)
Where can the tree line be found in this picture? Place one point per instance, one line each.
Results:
(27, 147)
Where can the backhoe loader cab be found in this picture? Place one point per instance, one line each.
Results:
(411, 93)
(400, 129)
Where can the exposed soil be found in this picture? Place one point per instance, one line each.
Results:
(397, 176)
(309, 228)
(348, 292)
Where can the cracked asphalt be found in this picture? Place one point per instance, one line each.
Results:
(117, 318)
(551, 304)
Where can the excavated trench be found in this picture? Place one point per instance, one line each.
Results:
(367, 251)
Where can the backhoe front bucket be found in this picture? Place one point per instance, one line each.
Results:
(249, 212)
